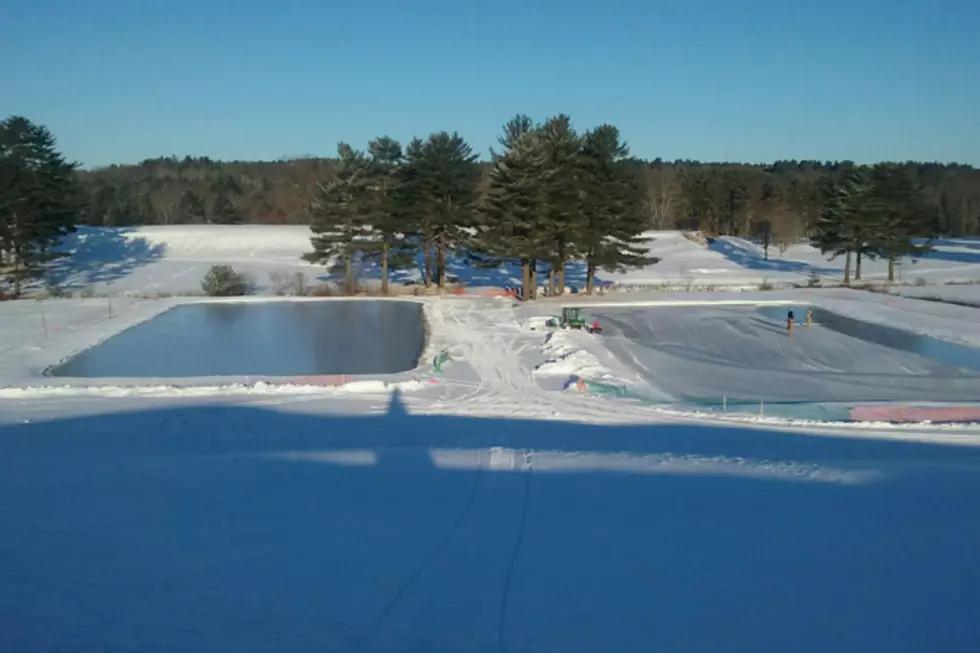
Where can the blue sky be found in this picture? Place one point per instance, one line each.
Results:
(118, 81)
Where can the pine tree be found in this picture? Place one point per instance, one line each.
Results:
(905, 215)
(832, 234)
(223, 211)
(562, 205)
(191, 208)
(40, 201)
(850, 220)
(436, 197)
(613, 206)
(339, 208)
(513, 205)
(387, 245)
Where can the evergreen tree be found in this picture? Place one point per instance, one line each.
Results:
(562, 216)
(191, 208)
(832, 234)
(851, 220)
(513, 204)
(436, 197)
(905, 215)
(614, 213)
(733, 199)
(387, 245)
(224, 211)
(40, 201)
(339, 208)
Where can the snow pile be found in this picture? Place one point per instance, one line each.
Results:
(568, 356)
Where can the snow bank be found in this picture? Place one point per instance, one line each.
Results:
(260, 388)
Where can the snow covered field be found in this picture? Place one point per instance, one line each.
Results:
(490, 506)
(151, 260)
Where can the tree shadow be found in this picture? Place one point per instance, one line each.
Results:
(469, 269)
(972, 242)
(101, 255)
(953, 256)
(750, 259)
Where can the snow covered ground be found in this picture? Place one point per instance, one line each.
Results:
(966, 294)
(229, 528)
(491, 506)
(173, 260)
(729, 261)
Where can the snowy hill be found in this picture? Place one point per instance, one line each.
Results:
(148, 260)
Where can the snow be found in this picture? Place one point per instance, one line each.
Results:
(173, 260)
(492, 506)
(146, 261)
(237, 528)
(740, 353)
(966, 294)
(732, 262)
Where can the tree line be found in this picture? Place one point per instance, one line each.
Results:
(551, 195)
(548, 196)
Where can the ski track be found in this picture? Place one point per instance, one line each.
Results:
(527, 469)
(437, 549)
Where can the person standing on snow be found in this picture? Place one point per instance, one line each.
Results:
(789, 323)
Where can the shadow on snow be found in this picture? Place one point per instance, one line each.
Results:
(752, 259)
(101, 255)
(468, 269)
(227, 528)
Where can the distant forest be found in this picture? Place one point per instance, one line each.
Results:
(550, 194)
(717, 198)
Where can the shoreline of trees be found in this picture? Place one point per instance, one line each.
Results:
(548, 196)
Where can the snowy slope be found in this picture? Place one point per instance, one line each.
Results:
(733, 261)
(173, 260)
(966, 294)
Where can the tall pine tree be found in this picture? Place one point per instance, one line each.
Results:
(387, 244)
(612, 201)
(513, 206)
(338, 212)
(436, 198)
(40, 200)
(562, 204)
(850, 221)
(906, 220)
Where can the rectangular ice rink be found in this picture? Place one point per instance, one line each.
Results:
(267, 338)
(745, 354)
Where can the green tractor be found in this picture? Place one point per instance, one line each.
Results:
(571, 319)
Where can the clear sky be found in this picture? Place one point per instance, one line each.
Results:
(118, 81)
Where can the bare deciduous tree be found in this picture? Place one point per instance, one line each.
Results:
(664, 196)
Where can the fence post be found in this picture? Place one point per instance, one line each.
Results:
(761, 410)
(724, 403)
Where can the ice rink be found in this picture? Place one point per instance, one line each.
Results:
(745, 353)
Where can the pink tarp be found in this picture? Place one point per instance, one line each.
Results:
(893, 413)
